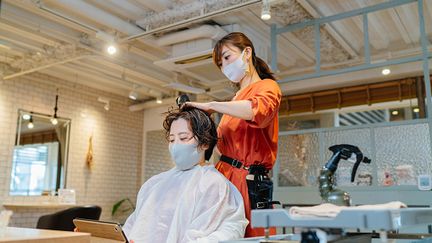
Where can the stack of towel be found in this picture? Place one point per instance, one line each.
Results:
(331, 210)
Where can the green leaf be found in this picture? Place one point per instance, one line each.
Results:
(117, 205)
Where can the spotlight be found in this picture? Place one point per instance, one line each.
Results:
(26, 117)
(416, 110)
(395, 113)
(265, 11)
(386, 71)
(159, 100)
(54, 121)
(133, 95)
(30, 125)
(111, 49)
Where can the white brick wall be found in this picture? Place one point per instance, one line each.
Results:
(158, 158)
(117, 141)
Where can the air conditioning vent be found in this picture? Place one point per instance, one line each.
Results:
(194, 59)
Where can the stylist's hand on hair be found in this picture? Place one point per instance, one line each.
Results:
(202, 106)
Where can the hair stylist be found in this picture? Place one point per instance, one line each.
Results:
(248, 130)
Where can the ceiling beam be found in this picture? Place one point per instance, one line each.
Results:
(49, 76)
(155, 5)
(44, 66)
(22, 43)
(377, 37)
(400, 26)
(40, 25)
(352, 36)
(25, 33)
(329, 28)
(287, 49)
(117, 71)
(125, 83)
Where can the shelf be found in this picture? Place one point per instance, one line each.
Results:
(37, 205)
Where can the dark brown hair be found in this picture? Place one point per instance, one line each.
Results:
(200, 123)
(241, 41)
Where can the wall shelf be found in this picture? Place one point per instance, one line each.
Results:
(39, 205)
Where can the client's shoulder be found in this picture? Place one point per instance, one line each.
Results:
(211, 176)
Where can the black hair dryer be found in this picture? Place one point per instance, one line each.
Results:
(327, 189)
(182, 99)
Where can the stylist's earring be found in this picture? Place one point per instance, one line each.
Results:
(247, 67)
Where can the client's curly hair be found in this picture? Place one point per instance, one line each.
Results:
(201, 125)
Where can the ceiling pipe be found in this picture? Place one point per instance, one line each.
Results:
(204, 31)
(97, 14)
(101, 16)
(45, 66)
(55, 13)
(191, 20)
(152, 104)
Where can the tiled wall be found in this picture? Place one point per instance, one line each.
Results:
(117, 141)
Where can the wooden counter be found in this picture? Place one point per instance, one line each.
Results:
(26, 235)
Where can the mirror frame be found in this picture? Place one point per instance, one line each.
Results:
(67, 123)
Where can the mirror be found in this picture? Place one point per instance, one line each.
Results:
(40, 154)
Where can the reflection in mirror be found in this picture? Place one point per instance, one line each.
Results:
(40, 154)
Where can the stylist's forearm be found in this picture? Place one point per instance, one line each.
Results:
(241, 109)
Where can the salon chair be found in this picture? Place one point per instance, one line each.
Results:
(62, 220)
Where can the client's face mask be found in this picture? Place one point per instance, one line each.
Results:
(185, 155)
(236, 70)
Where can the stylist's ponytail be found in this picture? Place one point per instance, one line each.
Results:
(262, 68)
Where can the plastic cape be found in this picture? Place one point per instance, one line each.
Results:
(196, 205)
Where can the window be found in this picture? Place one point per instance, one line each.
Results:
(34, 169)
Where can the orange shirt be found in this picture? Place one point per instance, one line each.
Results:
(254, 141)
(251, 142)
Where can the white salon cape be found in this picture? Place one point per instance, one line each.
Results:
(196, 205)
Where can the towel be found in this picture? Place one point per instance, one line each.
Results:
(330, 210)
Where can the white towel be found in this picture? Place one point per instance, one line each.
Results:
(330, 210)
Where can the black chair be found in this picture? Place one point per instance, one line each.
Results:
(62, 220)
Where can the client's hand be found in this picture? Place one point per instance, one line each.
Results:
(76, 230)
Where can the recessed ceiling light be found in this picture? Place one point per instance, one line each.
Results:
(395, 113)
(416, 110)
(26, 117)
(386, 71)
(111, 49)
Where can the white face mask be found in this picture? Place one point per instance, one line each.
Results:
(236, 70)
(185, 156)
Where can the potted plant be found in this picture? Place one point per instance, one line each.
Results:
(122, 209)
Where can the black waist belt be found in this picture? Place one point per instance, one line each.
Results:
(253, 169)
(235, 163)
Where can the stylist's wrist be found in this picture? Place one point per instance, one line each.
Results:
(211, 107)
